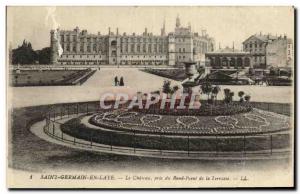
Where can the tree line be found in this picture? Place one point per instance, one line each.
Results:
(25, 54)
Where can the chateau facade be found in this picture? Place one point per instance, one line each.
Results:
(75, 47)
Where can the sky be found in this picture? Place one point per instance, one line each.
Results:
(225, 24)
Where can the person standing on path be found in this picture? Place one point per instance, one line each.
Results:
(116, 81)
(121, 81)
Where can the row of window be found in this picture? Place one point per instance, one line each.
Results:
(255, 45)
(259, 59)
(143, 48)
(255, 50)
(94, 56)
(68, 38)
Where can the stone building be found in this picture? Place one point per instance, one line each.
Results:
(280, 52)
(82, 48)
(262, 47)
(228, 58)
(256, 46)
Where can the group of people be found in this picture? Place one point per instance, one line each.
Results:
(119, 83)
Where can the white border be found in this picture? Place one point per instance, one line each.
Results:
(5, 3)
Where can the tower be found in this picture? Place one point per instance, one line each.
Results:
(171, 50)
(163, 30)
(54, 47)
(177, 22)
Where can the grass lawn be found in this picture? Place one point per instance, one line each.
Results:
(45, 77)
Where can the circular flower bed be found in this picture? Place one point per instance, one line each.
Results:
(254, 122)
(205, 109)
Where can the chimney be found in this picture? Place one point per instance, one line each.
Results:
(233, 46)
(145, 31)
(108, 30)
(117, 31)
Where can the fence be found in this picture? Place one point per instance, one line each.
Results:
(160, 145)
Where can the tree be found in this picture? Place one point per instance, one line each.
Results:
(241, 94)
(206, 88)
(44, 55)
(231, 94)
(167, 87)
(215, 91)
(175, 89)
(226, 95)
(24, 54)
(247, 98)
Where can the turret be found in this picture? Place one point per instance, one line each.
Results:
(54, 47)
(177, 22)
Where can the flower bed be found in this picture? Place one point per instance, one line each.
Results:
(253, 122)
(204, 110)
(163, 141)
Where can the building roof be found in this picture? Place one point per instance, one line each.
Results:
(262, 37)
(228, 50)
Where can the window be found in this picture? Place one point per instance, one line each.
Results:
(74, 48)
(94, 47)
(183, 49)
(132, 48)
(138, 48)
(160, 48)
(144, 48)
(149, 48)
(74, 38)
(81, 48)
(68, 47)
(89, 48)
(180, 50)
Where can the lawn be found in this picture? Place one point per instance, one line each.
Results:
(48, 77)
(175, 74)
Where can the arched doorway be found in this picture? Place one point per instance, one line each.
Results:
(217, 62)
(113, 43)
(232, 62)
(225, 62)
(211, 61)
(239, 62)
(247, 62)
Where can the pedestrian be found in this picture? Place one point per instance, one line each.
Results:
(121, 81)
(116, 81)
